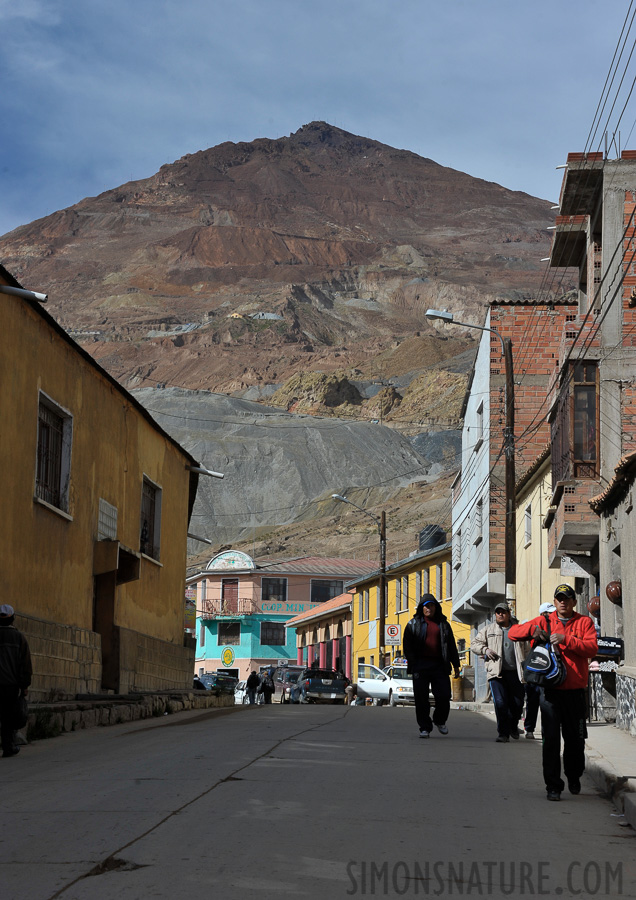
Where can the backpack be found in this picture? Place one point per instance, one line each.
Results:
(267, 682)
(544, 666)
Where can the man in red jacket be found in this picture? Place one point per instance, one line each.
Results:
(563, 709)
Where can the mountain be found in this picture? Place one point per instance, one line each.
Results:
(238, 267)
(294, 272)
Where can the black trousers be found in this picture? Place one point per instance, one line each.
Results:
(563, 713)
(8, 698)
(437, 680)
(533, 695)
(507, 697)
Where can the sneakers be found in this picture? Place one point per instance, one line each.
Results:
(529, 735)
(12, 752)
(424, 733)
(443, 729)
(502, 739)
(553, 795)
(514, 734)
(574, 786)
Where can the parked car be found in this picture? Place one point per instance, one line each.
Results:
(220, 684)
(284, 678)
(319, 686)
(390, 685)
(240, 693)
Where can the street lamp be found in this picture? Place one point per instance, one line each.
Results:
(508, 444)
(380, 522)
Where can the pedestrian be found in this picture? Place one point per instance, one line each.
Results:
(250, 686)
(266, 685)
(533, 691)
(504, 661)
(430, 651)
(16, 672)
(563, 709)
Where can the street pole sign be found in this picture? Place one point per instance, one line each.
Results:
(392, 635)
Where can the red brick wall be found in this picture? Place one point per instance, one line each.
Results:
(536, 332)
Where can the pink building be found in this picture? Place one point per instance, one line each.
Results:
(243, 605)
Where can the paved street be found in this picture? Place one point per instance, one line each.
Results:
(271, 802)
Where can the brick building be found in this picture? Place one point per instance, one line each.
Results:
(593, 410)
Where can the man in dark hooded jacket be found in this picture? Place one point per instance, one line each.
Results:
(430, 650)
(15, 676)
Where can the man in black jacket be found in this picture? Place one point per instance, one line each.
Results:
(15, 676)
(430, 651)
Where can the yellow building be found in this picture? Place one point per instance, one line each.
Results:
(96, 504)
(425, 572)
(536, 581)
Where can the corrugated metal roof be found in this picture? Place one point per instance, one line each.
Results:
(342, 601)
(318, 565)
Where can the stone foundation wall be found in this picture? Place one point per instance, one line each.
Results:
(149, 664)
(602, 696)
(52, 719)
(626, 699)
(66, 660)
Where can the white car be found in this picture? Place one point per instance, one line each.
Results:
(240, 693)
(390, 685)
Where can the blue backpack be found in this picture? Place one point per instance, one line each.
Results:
(544, 666)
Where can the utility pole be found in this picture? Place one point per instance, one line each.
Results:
(382, 590)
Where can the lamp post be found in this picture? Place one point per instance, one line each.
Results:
(380, 522)
(508, 446)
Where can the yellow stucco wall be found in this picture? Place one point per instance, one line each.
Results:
(535, 580)
(365, 633)
(47, 558)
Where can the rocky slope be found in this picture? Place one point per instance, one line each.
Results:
(235, 268)
(295, 272)
(281, 469)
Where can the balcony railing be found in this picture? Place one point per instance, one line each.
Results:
(237, 606)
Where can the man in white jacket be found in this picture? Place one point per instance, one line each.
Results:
(503, 659)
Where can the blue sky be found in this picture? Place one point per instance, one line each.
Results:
(95, 93)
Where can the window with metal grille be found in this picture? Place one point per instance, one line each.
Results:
(325, 590)
(457, 549)
(273, 634)
(274, 590)
(528, 524)
(150, 519)
(479, 522)
(229, 633)
(53, 462)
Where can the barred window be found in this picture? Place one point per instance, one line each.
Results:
(150, 520)
(273, 634)
(53, 462)
(229, 633)
(325, 590)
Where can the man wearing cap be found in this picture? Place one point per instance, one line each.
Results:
(503, 660)
(533, 691)
(15, 676)
(563, 709)
(430, 651)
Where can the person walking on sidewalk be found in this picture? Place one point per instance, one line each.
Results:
(16, 672)
(266, 685)
(503, 660)
(533, 691)
(250, 686)
(430, 651)
(563, 709)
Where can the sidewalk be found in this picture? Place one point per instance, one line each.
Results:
(610, 760)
